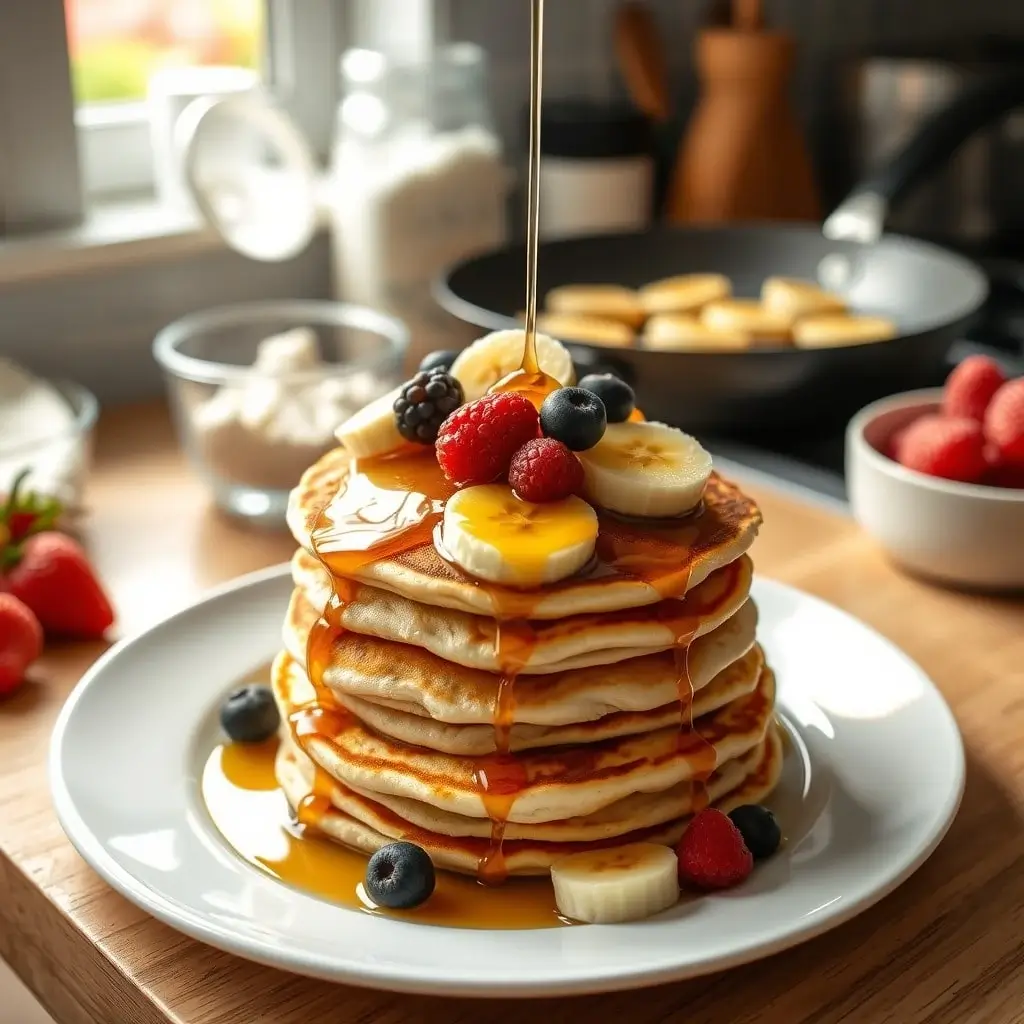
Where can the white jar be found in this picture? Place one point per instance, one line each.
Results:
(597, 170)
(417, 184)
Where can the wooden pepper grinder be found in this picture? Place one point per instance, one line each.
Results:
(743, 156)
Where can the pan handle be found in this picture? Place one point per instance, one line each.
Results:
(861, 216)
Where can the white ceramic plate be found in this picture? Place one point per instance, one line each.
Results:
(873, 777)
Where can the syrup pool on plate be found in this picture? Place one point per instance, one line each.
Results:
(250, 811)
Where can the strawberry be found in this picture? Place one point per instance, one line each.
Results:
(1004, 422)
(712, 854)
(23, 513)
(53, 577)
(21, 642)
(970, 387)
(943, 446)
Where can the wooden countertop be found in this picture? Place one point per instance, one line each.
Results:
(945, 948)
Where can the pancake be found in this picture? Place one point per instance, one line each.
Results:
(641, 810)
(477, 642)
(521, 856)
(557, 783)
(479, 740)
(651, 561)
(414, 681)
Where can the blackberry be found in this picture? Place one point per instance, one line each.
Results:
(425, 402)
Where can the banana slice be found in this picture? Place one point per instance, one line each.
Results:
(498, 537)
(373, 430)
(496, 355)
(794, 298)
(747, 315)
(645, 469)
(673, 332)
(833, 331)
(623, 883)
(608, 301)
(592, 330)
(685, 293)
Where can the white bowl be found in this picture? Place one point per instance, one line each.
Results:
(964, 534)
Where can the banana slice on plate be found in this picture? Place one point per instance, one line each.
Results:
(608, 301)
(373, 430)
(645, 469)
(794, 298)
(685, 293)
(673, 332)
(592, 330)
(622, 883)
(763, 326)
(496, 536)
(836, 330)
(498, 354)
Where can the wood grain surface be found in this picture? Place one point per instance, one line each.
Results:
(945, 948)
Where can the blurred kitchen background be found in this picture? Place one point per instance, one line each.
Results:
(100, 246)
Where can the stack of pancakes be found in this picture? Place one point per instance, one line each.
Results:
(608, 716)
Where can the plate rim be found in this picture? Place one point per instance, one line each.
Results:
(393, 978)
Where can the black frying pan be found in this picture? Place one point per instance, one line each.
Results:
(932, 294)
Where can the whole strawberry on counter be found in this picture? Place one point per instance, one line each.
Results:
(21, 642)
(47, 570)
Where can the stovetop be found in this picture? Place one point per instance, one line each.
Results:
(813, 466)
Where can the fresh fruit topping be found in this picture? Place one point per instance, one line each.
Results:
(249, 714)
(759, 828)
(400, 876)
(24, 512)
(496, 536)
(52, 575)
(646, 469)
(1004, 422)
(372, 431)
(545, 470)
(440, 360)
(1003, 474)
(622, 883)
(970, 387)
(496, 355)
(424, 403)
(617, 396)
(943, 446)
(712, 853)
(21, 642)
(476, 443)
(575, 417)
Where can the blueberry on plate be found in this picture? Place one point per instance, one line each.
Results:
(400, 876)
(759, 829)
(617, 395)
(441, 360)
(424, 403)
(575, 417)
(249, 714)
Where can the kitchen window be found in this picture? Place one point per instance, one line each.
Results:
(74, 126)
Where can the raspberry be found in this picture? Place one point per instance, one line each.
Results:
(424, 403)
(1004, 422)
(944, 446)
(545, 470)
(712, 854)
(970, 387)
(476, 443)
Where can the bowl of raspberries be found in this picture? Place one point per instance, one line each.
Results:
(937, 477)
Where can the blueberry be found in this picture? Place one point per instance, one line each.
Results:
(249, 714)
(617, 395)
(438, 360)
(400, 876)
(575, 417)
(759, 829)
